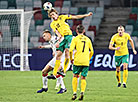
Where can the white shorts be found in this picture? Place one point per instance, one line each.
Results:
(53, 60)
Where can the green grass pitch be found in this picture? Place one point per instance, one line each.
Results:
(16, 86)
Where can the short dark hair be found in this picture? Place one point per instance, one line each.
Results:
(46, 31)
(80, 28)
(52, 10)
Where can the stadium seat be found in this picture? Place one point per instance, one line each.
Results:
(12, 3)
(37, 44)
(67, 4)
(135, 10)
(77, 22)
(20, 4)
(99, 9)
(134, 33)
(39, 22)
(3, 4)
(131, 22)
(41, 40)
(34, 34)
(70, 22)
(47, 24)
(82, 10)
(38, 16)
(37, 4)
(135, 39)
(136, 27)
(28, 3)
(91, 35)
(28, 8)
(65, 10)
(73, 28)
(58, 9)
(90, 9)
(30, 45)
(58, 4)
(73, 10)
(92, 28)
(133, 16)
(34, 39)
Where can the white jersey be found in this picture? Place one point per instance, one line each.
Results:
(52, 43)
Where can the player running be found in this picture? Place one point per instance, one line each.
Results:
(62, 29)
(120, 40)
(84, 51)
(49, 67)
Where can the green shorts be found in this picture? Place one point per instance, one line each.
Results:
(82, 69)
(65, 43)
(121, 59)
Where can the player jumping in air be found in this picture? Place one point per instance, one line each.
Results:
(62, 29)
(84, 51)
(49, 67)
(120, 40)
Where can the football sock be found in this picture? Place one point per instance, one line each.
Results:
(125, 75)
(45, 80)
(74, 84)
(66, 63)
(57, 65)
(83, 85)
(118, 76)
(62, 82)
(58, 81)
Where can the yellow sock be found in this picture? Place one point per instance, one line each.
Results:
(74, 84)
(57, 65)
(118, 76)
(66, 63)
(83, 85)
(125, 75)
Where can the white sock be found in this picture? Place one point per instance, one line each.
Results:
(45, 82)
(62, 82)
(58, 81)
(78, 82)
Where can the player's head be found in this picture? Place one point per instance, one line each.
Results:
(120, 30)
(80, 29)
(47, 35)
(53, 14)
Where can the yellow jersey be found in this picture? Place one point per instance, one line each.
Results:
(84, 50)
(61, 26)
(120, 41)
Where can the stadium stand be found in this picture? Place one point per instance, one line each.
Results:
(99, 27)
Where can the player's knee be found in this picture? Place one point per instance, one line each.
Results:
(125, 65)
(117, 69)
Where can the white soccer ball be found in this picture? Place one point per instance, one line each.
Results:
(47, 6)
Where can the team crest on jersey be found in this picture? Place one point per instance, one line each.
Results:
(125, 37)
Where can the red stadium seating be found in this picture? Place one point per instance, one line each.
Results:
(73, 28)
(92, 28)
(133, 16)
(41, 40)
(77, 22)
(58, 4)
(38, 16)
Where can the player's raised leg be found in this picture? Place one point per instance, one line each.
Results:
(45, 79)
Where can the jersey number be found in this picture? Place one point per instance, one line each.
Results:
(83, 46)
(58, 25)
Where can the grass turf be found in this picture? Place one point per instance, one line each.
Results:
(16, 86)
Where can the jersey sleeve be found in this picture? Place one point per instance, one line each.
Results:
(67, 17)
(53, 27)
(112, 40)
(72, 47)
(129, 37)
(91, 50)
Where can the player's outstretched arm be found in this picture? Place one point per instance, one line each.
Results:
(133, 47)
(81, 16)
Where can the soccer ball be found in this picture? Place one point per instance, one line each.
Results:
(47, 6)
